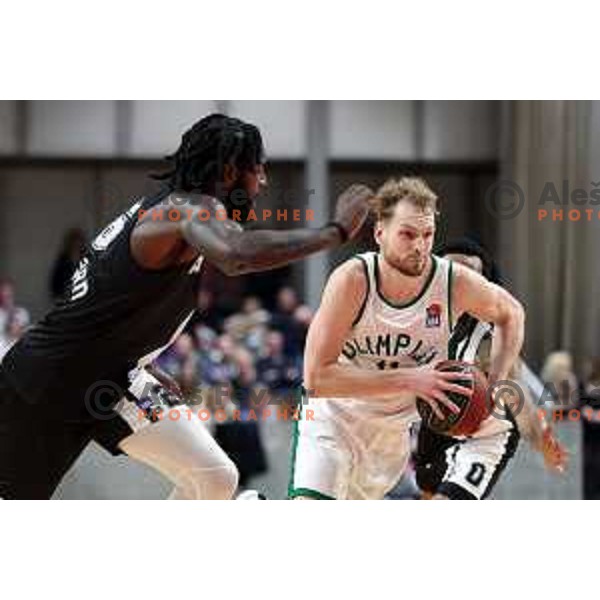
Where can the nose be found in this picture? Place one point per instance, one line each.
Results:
(419, 248)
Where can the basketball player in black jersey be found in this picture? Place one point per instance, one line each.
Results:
(131, 295)
(439, 463)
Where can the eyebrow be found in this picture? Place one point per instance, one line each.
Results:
(424, 229)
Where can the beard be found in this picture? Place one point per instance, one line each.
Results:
(412, 266)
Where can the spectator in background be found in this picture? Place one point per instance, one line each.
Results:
(208, 313)
(276, 370)
(205, 338)
(303, 315)
(188, 379)
(177, 355)
(249, 326)
(13, 330)
(217, 365)
(283, 321)
(558, 377)
(71, 252)
(8, 308)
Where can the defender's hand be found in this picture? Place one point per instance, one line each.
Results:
(556, 456)
(352, 209)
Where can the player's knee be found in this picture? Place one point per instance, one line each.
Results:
(213, 483)
(225, 483)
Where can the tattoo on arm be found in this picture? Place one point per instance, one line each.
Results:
(237, 251)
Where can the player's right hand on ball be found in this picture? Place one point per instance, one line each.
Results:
(352, 208)
(432, 386)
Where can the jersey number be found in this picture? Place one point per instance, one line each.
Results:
(476, 473)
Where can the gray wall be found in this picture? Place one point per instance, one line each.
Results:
(359, 130)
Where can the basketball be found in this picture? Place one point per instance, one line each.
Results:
(472, 411)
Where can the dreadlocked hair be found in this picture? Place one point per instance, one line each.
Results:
(205, 149)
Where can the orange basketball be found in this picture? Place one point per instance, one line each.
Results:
(472, 411)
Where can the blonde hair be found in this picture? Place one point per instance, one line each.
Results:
(393, 191)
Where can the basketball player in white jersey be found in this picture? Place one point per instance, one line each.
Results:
(385, 320)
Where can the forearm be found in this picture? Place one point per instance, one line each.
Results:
(506, 345)
(261, 250)
(530, 425)
(342, 381)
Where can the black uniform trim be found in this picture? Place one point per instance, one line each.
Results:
(453, 491)
(430, 459)
(111, 432)
(463, 330)
(364, 303)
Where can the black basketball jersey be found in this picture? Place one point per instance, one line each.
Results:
(116, 316)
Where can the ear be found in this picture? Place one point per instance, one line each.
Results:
(230, 174)
(378, 232)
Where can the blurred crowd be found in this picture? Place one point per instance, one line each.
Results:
(14, 319)
(251, 347)
(253, 353)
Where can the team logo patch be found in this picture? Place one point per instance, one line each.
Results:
(433, 317)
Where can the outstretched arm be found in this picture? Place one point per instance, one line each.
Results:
(236, 251)
(533, 424)
(231, 248)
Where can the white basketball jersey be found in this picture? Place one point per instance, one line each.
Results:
(357, 447)
(387, 336)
